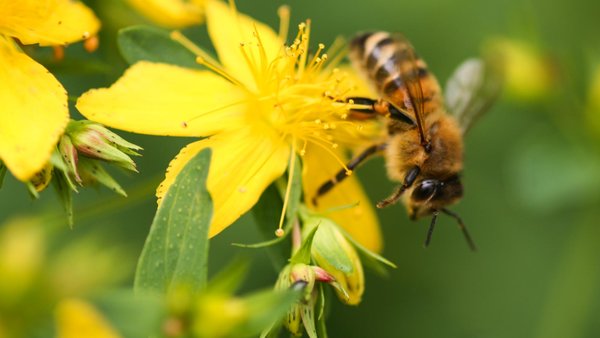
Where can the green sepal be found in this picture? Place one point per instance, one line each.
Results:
(62, 186)
(321, 303)
(327, 245)
(307, 312)
(91, 172)
(302, 256)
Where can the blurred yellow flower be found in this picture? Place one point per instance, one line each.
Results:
(259, 105)
(593, 101)
(77, 318)
(171, 13)
(34, 104)
(528, 74)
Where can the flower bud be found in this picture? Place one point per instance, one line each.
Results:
(95, 141)
(334, 253)
(68, 153)
(305, 276)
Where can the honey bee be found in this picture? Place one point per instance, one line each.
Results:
(423, 147)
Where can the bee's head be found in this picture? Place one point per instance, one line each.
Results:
(430, 194)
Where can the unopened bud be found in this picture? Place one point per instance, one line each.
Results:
(95, 141)
(334, 254)
(68, 154)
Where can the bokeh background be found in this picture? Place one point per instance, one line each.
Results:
(532, 183)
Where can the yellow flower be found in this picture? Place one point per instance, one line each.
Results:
(77, 318)
(259, 105)
(171, 13)
(528, 74)
(593, 101)
(34, 104)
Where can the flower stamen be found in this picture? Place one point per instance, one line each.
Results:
(288, 189)
(203, 58)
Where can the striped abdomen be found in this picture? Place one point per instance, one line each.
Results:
(396, 72)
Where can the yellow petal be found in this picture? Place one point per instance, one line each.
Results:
(360, 221)
(76, 318)
(171, 13)
(160, 99)
(244, 163)
(228, 29)
(47, 22)
(34, 112)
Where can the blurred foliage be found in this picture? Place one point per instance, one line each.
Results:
(531, 180)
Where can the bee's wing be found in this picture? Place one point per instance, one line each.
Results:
(409, 66)
(471, 90)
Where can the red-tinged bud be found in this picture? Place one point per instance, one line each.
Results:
(95, 141)
(334, 253)
(322, 276)
(68, 153)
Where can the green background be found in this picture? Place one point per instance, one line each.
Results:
(532, 179)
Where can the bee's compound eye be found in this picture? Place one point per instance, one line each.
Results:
(425, 190)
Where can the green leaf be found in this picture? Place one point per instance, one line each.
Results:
(119, 306)
(176, 251)
(145, 43)
(303, 254)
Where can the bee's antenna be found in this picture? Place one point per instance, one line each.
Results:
(462, 227)
(431, 227)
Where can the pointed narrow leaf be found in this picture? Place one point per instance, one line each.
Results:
(139, 43)
(176, 251)
(303, 254)
(62, 188)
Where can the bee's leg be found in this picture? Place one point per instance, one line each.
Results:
(410, 178)
(462, 227)
(377, 108)
(342, 174)
(431, 227)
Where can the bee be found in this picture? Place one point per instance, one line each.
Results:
(423, 146)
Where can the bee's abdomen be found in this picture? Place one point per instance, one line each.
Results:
(389, 62)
